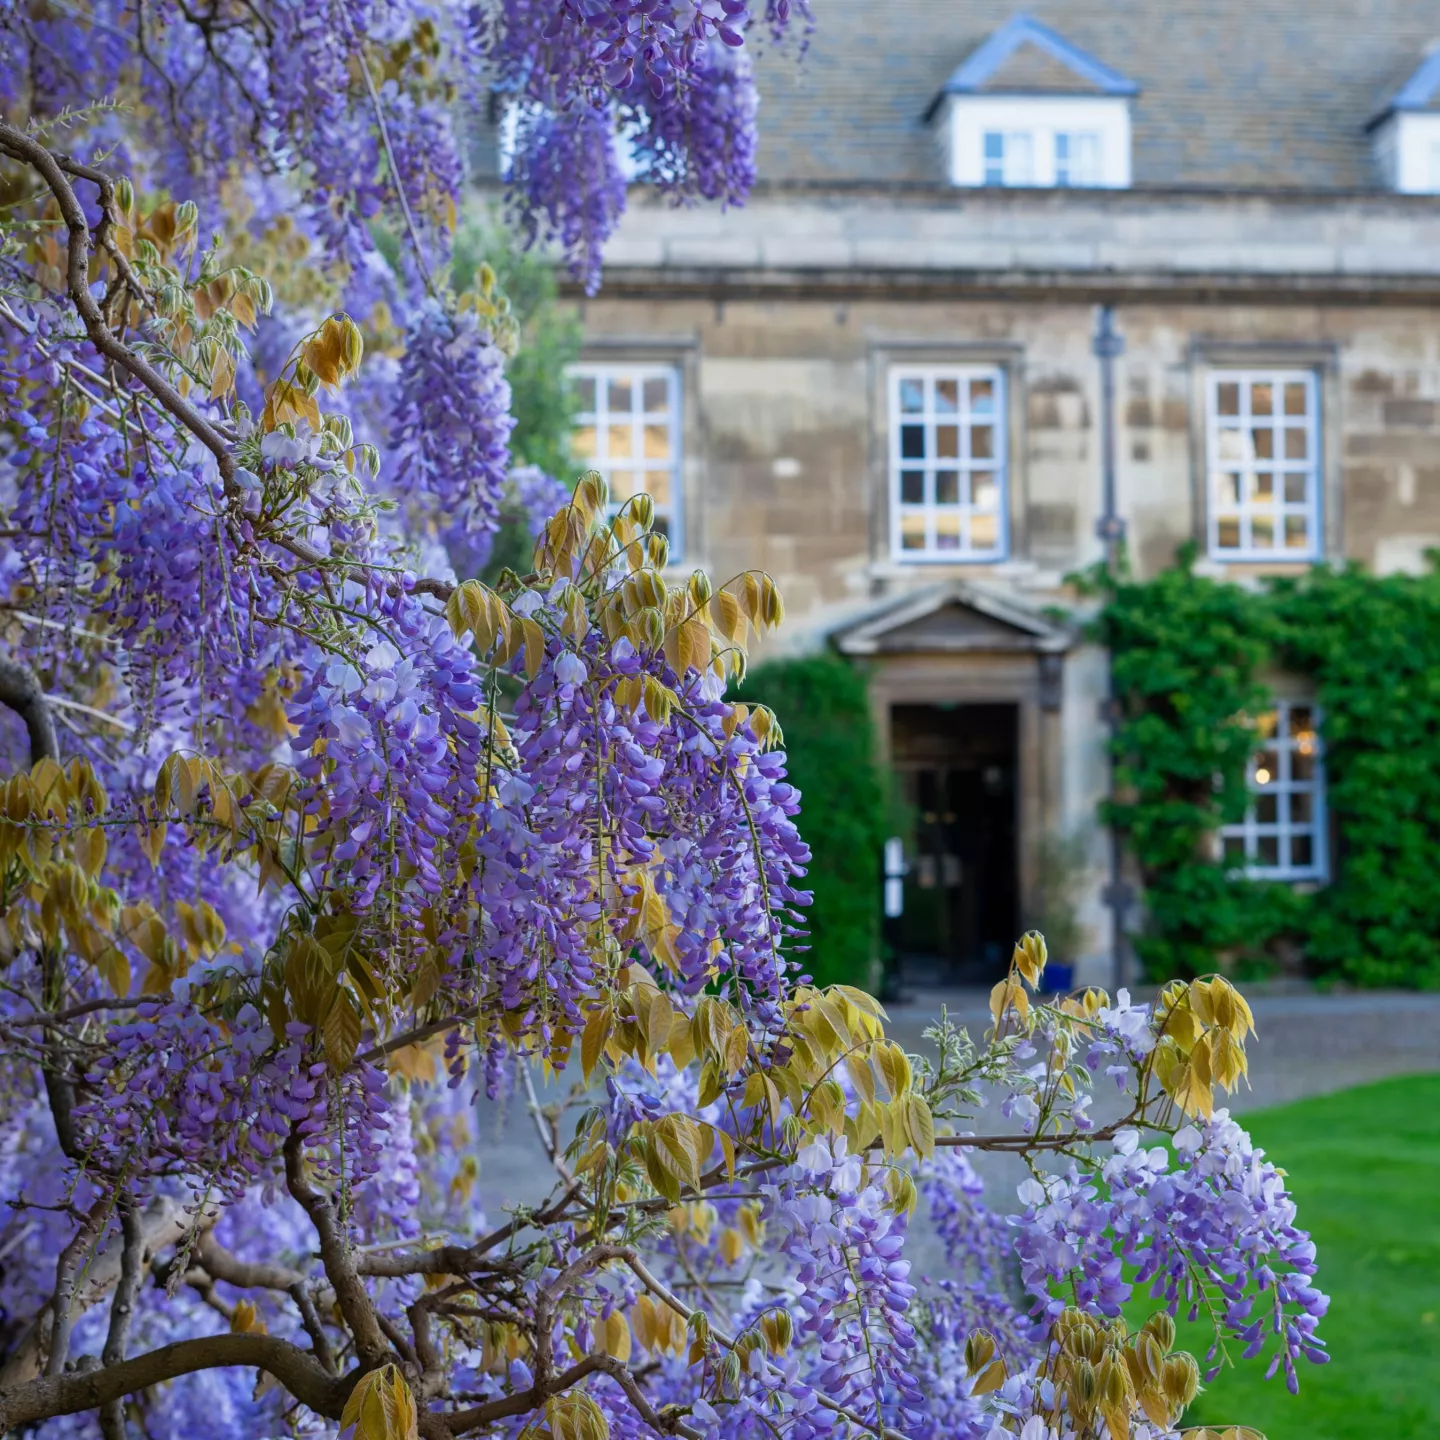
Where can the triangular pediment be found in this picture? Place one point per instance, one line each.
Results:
(1026, 56)
(952, 619)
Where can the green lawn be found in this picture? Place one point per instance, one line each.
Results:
(1364, 1167)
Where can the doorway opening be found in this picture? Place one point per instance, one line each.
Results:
(957, 768)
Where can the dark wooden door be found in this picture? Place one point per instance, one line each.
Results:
(956, 768)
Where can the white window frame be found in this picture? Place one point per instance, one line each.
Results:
(1009, 171)
(1248, 466)
(672, 511)
(931, 463)
(964, 121)
(1069, 174)
(1284, 744)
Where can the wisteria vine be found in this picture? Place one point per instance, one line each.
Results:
(308, 838)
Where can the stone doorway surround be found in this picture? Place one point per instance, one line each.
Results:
(959, 643)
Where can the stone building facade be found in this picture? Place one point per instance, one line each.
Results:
(882, 385)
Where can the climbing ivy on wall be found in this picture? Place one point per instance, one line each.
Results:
(1188, 651)
(830, 744)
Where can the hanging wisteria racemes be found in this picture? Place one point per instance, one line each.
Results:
(308, 837)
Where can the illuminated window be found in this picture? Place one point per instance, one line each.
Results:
(1264, 465)
(628, 428)
(947, 463)
(1283, 835)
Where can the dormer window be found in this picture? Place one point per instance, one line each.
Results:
(1028, 108)
(1407, 132)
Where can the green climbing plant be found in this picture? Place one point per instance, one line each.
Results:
(844, 815)
(1189, 652)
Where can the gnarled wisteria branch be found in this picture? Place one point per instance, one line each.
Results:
(56, 171)
(68, 1394)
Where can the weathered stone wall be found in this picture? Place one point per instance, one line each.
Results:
(786, 417)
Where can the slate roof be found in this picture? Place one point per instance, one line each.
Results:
(1421, 91)
(1232, 94)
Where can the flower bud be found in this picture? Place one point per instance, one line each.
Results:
(1162, 1327)
(778, 1329)
(979, 1351)
(1030, 956)
(1111, 1382)
(1180, 1379)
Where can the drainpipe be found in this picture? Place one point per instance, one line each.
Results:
(1106, 345)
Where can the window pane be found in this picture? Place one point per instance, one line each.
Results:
(622, 485)
(657, 485)
(912, 442)
(1227, 533)
(1227, 488)
(912, 396)
(1267, 851)
(947, 487)
(583, 443)
(1297, 533)
(1227, 398)
(1302, 767)
(912, 487)
(1262, 398)
(1296, 398)
(585, 392)
(1302, 808)
(1018, 167)
(1267, 767)
(1262, 442)
(947, 530)
(1262, 532)
(621, 442)
(1302, 852)
(657, 442)
(982, 396)
(1235, 849)
(1230, 446)
(1296, 486)
(994, 145)
(1302, 727)
(947, 397)
(985, 491)
(984, 532)
(982, 442)
(618, 395)
(1263, 487)
(657, 394)
(912, 530)
(1267, 809)
(1297, 444)
(947, 442)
